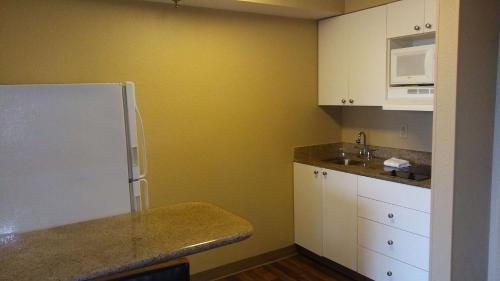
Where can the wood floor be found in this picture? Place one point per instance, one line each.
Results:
(295, 268)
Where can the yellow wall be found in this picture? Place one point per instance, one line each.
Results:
(225, 97)
(382, 127)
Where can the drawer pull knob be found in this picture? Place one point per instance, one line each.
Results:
(390, 215)
(316, 172)
(390, 242)
(325, 173)
(389, 273)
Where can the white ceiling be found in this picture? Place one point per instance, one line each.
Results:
(306, 9)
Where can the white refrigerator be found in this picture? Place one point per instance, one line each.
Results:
(69, 153)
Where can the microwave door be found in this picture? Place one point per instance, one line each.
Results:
(412, 66)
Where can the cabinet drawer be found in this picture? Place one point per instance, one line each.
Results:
(382, 268)
(408, 196)
(395, 216)
(398, 244)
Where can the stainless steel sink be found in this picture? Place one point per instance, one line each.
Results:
(345, 161)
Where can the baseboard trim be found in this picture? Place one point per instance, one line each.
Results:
(242, 265)
(332, 265)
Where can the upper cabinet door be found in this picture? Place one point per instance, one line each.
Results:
(333, 60)
(368, 47)
(405, 17)
(430, 16)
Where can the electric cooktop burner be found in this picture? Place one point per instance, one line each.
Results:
(417, 172)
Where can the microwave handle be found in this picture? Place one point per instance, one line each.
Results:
(429, 63)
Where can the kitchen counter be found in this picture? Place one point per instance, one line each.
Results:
(317, 154)
(87, 250)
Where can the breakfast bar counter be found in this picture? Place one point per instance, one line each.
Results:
(97, 248)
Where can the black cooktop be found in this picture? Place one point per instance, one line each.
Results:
(416, 172)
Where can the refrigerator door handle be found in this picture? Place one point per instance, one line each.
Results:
(141, 195)
(143, 145)
(145, 206)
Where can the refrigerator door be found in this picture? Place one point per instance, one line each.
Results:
(63, 155)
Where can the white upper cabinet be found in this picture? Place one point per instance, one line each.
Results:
(410, 17)
(333, 63)
(367, 75)
(430, 15)
(352, 58)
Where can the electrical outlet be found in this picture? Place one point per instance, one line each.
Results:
(403, 131)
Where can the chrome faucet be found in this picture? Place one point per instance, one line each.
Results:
(364, 151)
(358, 139)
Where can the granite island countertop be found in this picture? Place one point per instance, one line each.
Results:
(97, 248)
(315, 155)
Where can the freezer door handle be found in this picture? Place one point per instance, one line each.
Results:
(143, 145)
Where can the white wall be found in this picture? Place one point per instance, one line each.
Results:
(494, 263)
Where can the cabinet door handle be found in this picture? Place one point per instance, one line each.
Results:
(316, 172)
(416, 27)
(351, 101)
(428, 25)
(390, 215)
(390, 242)
(389, 273)
(343, 101)
(325, 173)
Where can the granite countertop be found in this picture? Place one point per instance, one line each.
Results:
(86, 250)
(316, 155)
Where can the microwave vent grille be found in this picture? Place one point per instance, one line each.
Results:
(424, 91)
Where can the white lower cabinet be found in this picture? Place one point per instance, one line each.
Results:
(308, 208)
(339, 218)
(325, 213)
(375, 227)
(381, 268)
(392, 242)
(395, 216)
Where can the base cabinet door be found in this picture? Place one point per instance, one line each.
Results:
(308, 192)
(381, 268)
(339, 217)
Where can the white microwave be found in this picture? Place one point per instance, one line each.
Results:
(412, 66)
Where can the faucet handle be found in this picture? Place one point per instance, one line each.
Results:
(370, 153)
(341, 152)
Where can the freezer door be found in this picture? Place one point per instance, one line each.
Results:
(63, 155)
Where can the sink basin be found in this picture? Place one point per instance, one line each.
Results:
(345, 161)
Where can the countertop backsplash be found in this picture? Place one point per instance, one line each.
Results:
(333, 150)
